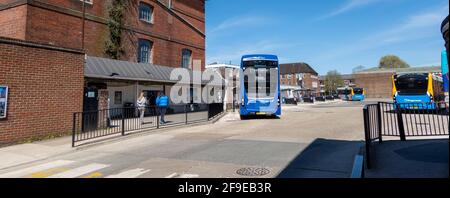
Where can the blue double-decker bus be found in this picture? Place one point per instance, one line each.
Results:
(260, 85)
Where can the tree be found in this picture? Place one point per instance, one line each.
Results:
(392, 61)
(113, 46)
(358, 69)
(333, 80)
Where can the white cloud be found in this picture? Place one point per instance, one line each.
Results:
(415, 27)
(241, 21)
(349, 6)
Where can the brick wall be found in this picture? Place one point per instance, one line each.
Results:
(308, 81)
(376, 85)
(45, 88)
(59, 23)
(311, 81)
(13, 22)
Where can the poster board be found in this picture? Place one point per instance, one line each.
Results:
(3, 101)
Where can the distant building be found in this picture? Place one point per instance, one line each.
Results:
(300, 75)
(349, 81)
(230, 74)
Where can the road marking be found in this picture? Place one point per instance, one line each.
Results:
(33, 169)
(80, 171)
(94, 175)
(172, 175)
(129, 173)
(46, 173)
(176, 175)
(188, 176)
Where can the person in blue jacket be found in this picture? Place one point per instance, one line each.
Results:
(162, 102)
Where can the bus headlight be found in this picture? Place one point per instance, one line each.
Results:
(242, 101)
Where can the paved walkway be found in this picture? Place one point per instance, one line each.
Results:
(411, 159)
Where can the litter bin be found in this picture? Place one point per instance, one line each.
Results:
(128, 110)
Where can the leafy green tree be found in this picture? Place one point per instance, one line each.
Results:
(392, 61)
(333, 80)
(116, 11)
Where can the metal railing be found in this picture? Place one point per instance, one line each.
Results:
(403, 120)
(321, 98)
(97, 124)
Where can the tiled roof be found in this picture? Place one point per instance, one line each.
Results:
(295, 68)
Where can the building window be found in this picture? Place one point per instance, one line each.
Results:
(186, 56)
(145, 12)
(144, 51)
(118, 97)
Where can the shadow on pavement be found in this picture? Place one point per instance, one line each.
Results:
(323, 158)
(411, 159)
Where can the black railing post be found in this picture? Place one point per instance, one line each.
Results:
(379, 123)
(209, 111)
(123, 121)
(186, 114)
(401, 128)
(367, 136)
(73, 129)
(157, 117)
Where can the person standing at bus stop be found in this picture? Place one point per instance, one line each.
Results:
(162, 102)
(141, 104)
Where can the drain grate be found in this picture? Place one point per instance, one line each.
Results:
(253, 171)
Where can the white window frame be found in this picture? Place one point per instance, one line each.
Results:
(88, 1)
(183, 58)
(149, 57)
(150, 15)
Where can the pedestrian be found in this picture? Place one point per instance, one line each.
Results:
(141, 105)
(162, 102)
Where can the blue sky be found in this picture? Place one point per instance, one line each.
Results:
(327, 34)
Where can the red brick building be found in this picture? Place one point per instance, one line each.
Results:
(165, 29)
(48, 74)
(301, 75)
(42, 91)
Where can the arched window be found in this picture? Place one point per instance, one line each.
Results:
(186, 58)
(144, 51)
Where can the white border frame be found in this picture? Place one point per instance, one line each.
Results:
(6, 102)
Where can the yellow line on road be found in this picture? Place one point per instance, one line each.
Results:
(48, 172)
(94, 175)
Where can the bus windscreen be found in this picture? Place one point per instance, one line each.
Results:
(412, 84)
(358, 91)
(260, 78)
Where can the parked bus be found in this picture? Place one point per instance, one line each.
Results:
(357, 94)
(257, 98)
(417, 90)
(344, 93)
